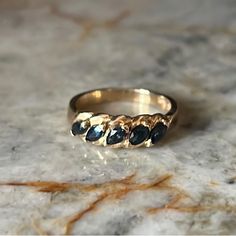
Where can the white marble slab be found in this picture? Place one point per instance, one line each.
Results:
(51, 50)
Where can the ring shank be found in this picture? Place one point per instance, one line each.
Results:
(81, 102)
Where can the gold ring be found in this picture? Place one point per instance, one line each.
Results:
(121, 130)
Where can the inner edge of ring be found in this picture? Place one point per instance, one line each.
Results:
(82, 102)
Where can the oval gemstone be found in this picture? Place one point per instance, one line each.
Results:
(95, 133)
(116, 135)
(139, 134)
(158, 132)
(79, 127)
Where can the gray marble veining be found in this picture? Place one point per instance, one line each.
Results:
(52, 50)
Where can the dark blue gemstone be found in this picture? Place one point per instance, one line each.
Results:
(158, 132)
(95, 133)
(79, 128)
(116, 135)
(139, 134)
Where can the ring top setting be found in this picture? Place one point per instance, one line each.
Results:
(120, 130)
(120, 135)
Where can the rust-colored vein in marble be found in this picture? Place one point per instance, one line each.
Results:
(115, 189)
(72, 220)
(192, 208)
(176, 204)
(43, 186)
(53, 186)
(118, 189)
(88, 24)
(170, 206)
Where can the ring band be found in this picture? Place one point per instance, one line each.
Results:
(121, 130)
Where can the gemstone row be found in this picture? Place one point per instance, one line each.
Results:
(137, 136)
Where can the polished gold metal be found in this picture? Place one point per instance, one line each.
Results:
(79, 111)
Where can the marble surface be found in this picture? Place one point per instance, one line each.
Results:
(52, 183)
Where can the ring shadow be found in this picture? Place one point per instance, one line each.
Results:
(192, 117)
